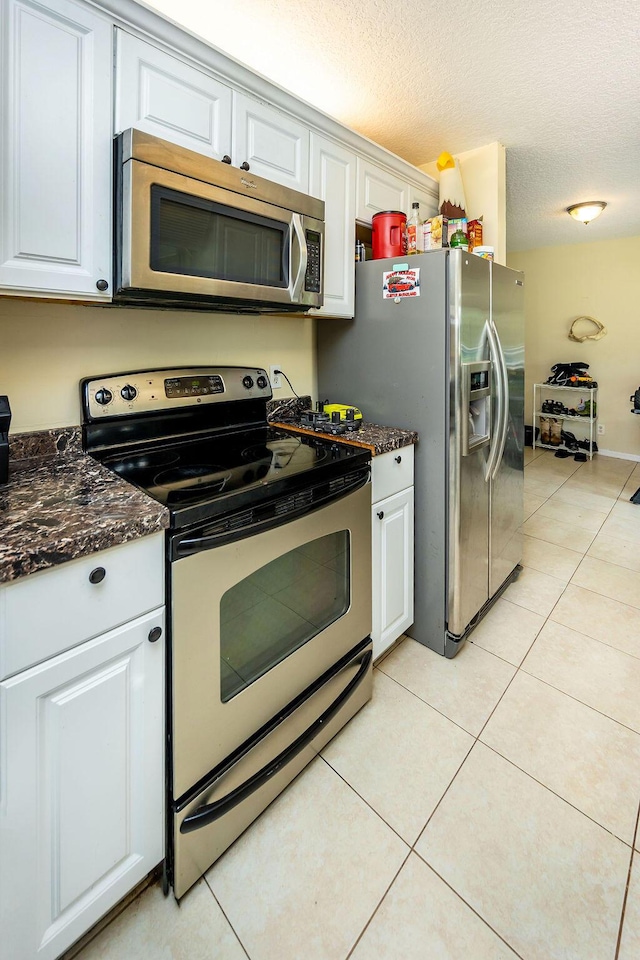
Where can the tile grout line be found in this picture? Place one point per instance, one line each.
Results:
(364, 799)
(422, 700)
(582, 702)
(626, 889)
(473, 909)
(412, 846)
(224, 914)
(558, 795)
(378, 905)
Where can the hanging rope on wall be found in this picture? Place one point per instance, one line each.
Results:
(601, 330)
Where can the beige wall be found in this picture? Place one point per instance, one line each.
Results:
(484, 178)
(601, 280)
(46, 348)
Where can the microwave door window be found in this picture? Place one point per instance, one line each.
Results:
(196, 237)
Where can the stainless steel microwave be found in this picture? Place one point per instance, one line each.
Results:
(191, 231)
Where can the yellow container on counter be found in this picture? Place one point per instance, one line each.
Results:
(342, 409)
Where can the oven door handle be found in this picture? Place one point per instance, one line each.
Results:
(210, 812)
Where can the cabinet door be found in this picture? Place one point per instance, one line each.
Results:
(81, 781)
(163, 96)
(333, 179)
(428, 201)
(378, 189)
(392, 569)
(55, 181)
(273, 144)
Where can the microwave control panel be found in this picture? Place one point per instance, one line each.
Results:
(314, 261)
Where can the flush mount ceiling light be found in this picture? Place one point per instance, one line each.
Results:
(587, 211)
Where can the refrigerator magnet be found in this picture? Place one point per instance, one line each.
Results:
(398, 284)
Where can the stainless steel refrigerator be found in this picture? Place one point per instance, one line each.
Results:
(437, 346)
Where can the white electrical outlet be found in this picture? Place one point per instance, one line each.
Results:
(276, 378)
(600, 429)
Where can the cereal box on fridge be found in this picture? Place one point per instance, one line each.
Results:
(436, 235)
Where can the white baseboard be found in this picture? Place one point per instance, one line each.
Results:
(618, 455)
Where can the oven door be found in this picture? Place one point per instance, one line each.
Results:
(184, 238)
(257, 621)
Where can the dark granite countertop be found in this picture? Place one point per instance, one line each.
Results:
(60, 504)
(373, 436)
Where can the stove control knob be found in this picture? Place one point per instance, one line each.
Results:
(128, 392)
(103, 396)
(262, 382)
(335, 416)
(247, 382)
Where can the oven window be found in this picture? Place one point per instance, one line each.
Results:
(196, 237)
(280, 607)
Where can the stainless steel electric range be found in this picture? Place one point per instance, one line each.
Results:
(268, 588)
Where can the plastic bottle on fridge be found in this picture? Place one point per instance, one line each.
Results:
(414, 230)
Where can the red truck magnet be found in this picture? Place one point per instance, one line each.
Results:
(400, 283)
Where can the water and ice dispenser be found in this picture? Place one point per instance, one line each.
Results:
(475, 411)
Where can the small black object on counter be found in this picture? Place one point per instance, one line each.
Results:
(5, 423)
(334, 423)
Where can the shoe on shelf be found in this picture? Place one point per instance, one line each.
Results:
(580, 457)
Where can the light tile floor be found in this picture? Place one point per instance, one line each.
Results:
(481, 808)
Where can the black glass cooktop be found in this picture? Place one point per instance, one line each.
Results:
(204, 476)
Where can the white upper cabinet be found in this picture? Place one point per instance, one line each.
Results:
(379, 189)
(166, 97)
(333, 179)
(428, 201)
(60, 106)
(55, 163)
(273, 144)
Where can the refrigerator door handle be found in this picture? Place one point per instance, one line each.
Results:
(503, 401)
(494, 353)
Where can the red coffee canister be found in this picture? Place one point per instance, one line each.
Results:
(388, 234)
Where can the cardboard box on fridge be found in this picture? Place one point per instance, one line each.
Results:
(435, 233)
(474, 233)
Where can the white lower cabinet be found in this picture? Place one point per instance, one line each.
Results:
(81, 783)
(392, 517)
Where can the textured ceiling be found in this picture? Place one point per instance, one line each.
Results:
(556, 81)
